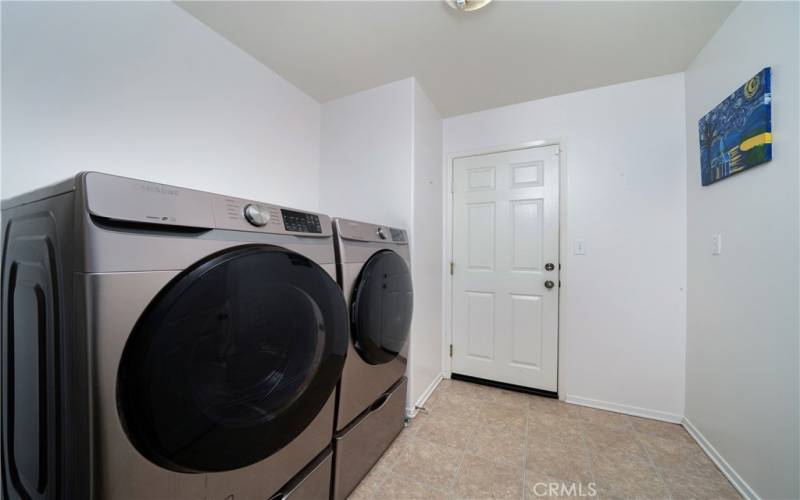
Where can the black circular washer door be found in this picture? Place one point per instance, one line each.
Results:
(232, 359)
(383, 302)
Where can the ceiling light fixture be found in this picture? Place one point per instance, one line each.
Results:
(467, 5)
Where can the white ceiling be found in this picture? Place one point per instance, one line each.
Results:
(507, 52)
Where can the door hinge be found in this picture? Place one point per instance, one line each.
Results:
(451, 350)
(452, 267)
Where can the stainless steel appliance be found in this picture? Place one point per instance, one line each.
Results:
(373, 264)
(161, 342)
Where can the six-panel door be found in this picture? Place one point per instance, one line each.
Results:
(505, 295)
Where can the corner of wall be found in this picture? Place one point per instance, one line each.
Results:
(742, 398)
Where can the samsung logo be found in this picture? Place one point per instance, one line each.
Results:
(152, 188)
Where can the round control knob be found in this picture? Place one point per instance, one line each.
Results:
(256, 215)
(381, 233)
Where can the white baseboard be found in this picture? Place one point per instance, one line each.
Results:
(628, 410)
(736, 480)
(411, 412)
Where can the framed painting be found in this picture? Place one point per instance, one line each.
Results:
(737, 134)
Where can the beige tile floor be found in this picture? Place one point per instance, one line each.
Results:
(477, 442)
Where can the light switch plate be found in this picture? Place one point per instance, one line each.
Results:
(716, 244)
(580, 247)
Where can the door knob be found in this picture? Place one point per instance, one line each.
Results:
(549, 284)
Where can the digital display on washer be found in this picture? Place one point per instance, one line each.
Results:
(300, 222)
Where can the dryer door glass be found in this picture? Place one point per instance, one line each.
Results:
(232, 360)
(381, 308)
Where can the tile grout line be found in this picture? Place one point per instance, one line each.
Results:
(588, 452)
(525, 451)
(390, 468)
(652, 463)
(451, 486)
(453, 482)
(414, 479)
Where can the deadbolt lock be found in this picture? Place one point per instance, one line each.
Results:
(549, 266)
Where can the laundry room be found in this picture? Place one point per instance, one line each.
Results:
(463, 249)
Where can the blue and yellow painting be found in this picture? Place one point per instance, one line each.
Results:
(737, 134)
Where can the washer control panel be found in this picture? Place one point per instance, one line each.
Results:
(248, 215)
(300, 222)
(256, 214)
(133, 200)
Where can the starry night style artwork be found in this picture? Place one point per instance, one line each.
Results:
(737, 134)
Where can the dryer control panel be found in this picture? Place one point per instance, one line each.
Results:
(398, 235)
(364, 231)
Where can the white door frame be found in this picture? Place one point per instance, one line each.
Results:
(447, 224)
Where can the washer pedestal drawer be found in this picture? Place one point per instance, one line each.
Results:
(359, 446)
(312, 483)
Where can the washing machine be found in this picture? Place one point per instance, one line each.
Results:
(373, 264)
(166, 343)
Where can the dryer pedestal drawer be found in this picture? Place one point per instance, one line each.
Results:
(359, 446)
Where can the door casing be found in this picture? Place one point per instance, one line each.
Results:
(447, 223)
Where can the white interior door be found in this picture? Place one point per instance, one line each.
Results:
(505, 267)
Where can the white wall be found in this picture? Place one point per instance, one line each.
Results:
(623, 303)
(380, 162)
(742, 390)
(146, 90)
(367, 155)
(426, 246)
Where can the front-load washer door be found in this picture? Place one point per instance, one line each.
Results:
(232, 359)
(382, 305)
